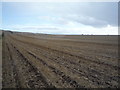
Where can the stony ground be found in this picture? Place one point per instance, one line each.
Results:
(59, 61)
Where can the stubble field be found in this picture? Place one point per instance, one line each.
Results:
(59, 61)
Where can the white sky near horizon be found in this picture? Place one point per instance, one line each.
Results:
(99, 18)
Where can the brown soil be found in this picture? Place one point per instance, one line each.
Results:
(59, 61)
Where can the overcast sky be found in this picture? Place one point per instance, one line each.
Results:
(61, 18)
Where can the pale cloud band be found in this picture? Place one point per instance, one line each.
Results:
(49, 29)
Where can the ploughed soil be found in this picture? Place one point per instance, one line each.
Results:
(59, 61)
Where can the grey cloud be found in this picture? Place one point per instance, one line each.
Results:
(87, 20)
(102, 12)
(105, 11)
